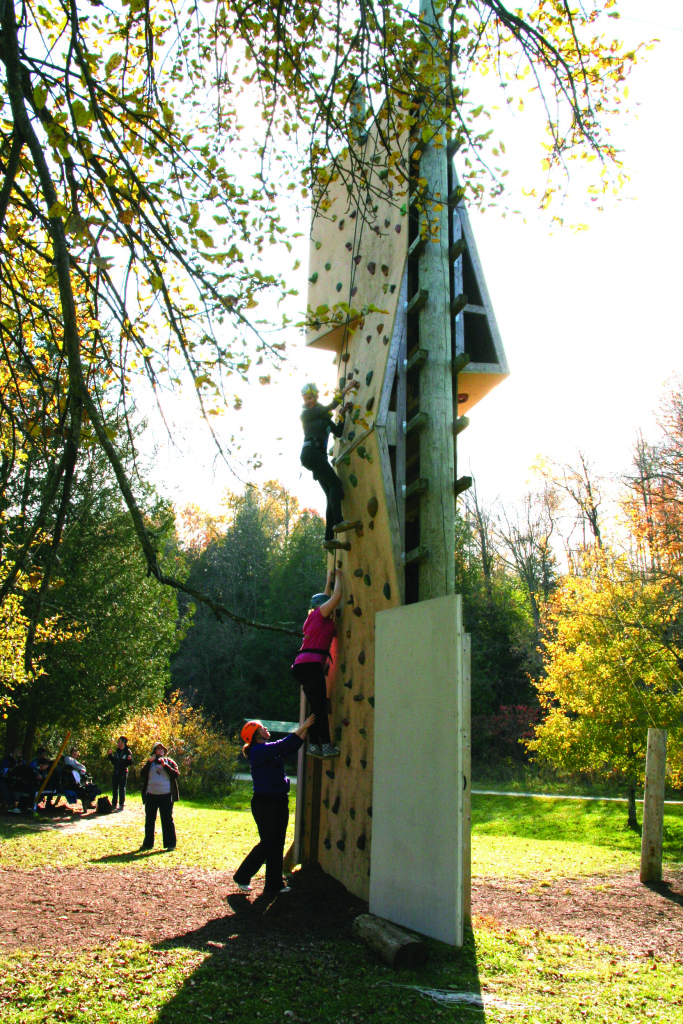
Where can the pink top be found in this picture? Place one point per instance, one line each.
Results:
(319, 631)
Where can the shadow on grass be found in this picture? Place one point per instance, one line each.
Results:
(667, 891)
(293, 956)
(125, 858)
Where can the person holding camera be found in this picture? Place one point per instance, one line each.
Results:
(121, 760)
(159, 777)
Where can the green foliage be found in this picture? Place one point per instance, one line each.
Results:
(267, 563)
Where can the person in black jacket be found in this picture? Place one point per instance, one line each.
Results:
(121, 760)
(159, 777)
(269, 804)
(317, 422)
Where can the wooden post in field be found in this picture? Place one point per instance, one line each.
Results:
(653, 807)
(467, 777)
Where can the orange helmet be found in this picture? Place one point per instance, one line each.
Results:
(249, 730)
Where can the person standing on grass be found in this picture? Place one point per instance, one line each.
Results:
(121, 759)
(159, 777)
(269, 804)
(311, 662)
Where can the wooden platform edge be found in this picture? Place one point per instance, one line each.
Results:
(398, 948)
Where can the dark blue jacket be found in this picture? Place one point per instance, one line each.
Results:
(267, 769)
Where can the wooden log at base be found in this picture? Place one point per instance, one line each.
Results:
(396, 947)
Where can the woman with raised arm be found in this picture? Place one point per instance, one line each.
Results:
(269, 804)
(311, 661)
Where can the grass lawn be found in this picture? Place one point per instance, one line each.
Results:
(520, 974)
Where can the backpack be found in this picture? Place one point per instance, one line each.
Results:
(104, 805)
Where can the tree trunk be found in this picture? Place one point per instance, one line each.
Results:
(631, 794)
(12, 732)
(29, 736)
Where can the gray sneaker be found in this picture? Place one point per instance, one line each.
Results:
(329, 750)
(315, 750)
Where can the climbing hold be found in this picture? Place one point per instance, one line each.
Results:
(392, 289)
(380, 328)
(385, 340)
(351, 434)
(330, 774)
(352, 215)
(386, 590)
(343, 667)
(336, 805)
(341, 224)
(349, 246)
(370, 810)
(314, 277)
(373, 506)
(397, 229)
(370, 402)
(352, 813)
(345, 721)
(318, 245)
(369, 376)
(348, 634)
(350, 600)
(363, 733)
(361, 841)
(339, 286)
(372, 267)
(353, 479)
(371, 524)
(345, 357)
(341, 845)
(353, 291)
(359, 697)
(357, 259)
(357, 611)
(385, 269)
(371, 701)
(328, 266)
(367, 581)
(363, 763)
(338, 733)
(387, 222)
(348, 761)
(337, 613)
(349, 684)
(326, 803)
(358, 572)
(368, 338)
(361, 658)
(327, 844)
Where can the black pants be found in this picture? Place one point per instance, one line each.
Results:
(315, 459)
(118, 785)
(310, 675)
(164, 804)
(271, 814)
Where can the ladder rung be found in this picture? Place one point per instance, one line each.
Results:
(417, 247)
(458, 304)
(417, 302)
(459, 363)
(417, 487)
(457, 249)
(416, 555)
(456, 195)
(459, 424)
(462, 484)
(480, 310)
(417, 360)
(417, 423)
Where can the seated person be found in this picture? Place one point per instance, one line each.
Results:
(8, 797)
(78, 770)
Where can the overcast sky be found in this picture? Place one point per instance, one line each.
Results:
(590, 320)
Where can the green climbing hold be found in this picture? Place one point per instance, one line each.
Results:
(364, 733)
(358, 572)
(361, 451)
(328, 266)
(351, 434)
(326, 803)
(314, 277)
(371, 701)
(386, 590)
(373, 506)
(359, 697)
(327, 844)
(392, 289)
(341, 845)
(367, 581)
(349, 684)
(318, 245)
(369, 376)
(353, 479)
(339, 286)
(370, 402)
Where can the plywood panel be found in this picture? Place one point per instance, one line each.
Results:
(417, 848)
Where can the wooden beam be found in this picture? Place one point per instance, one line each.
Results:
(397, 948)
(417, 247)
(456, 196)
(416, 555)
(417, 423)
(420, 486)
(653, 807)
(453, 147)
(460, 424)
(459, 363)
(457, 249)
(463, 483)
(417, 302)
(458, 304)
(417, 360)
(479, 310)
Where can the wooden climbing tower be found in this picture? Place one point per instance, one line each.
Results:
(427, 352)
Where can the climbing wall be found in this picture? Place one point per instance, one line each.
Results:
(370, 307)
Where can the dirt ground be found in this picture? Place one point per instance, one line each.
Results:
(74, 907)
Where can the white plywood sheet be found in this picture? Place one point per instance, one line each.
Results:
(416, 875)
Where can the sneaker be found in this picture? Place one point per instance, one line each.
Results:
(242, 888)
(144, 848)
(345, 526)
(170, 849)
(114, 807)
(285, 888)
(336, 545)
(329, 750)
(315, 750)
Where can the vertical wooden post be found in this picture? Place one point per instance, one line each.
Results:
(653, 807)
(300, 789)
(437, 460)
(467, 777)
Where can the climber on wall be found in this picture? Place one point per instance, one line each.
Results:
(317, 422)
(310, 663)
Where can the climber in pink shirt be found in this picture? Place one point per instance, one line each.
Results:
(311, 661)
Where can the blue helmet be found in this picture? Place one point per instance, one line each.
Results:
(319, 599)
